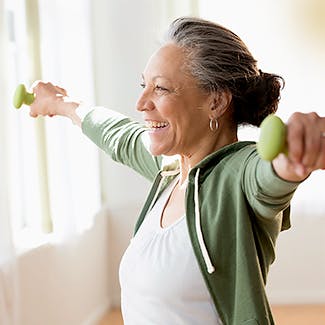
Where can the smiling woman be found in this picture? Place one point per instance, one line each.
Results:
(218, 207)
(172, 103)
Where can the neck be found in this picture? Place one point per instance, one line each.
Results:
(188, 161)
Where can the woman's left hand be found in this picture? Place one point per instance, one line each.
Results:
(306, 147)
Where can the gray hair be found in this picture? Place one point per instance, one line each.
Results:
(219, 60)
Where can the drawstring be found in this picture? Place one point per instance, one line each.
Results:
(205, 254)
(164, 173)
(203, 248)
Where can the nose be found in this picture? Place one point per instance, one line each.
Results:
(144, 102)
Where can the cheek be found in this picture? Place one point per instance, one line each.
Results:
(169, 109)
(181, 115)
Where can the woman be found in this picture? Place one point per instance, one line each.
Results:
(205, 239)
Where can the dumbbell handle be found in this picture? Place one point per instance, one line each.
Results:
(21, 96)
(272, 136)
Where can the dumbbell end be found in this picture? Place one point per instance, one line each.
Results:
(21, 96)
(272, 139)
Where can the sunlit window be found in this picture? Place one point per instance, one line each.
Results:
(52, 169)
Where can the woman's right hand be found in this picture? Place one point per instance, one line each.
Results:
(51, 100)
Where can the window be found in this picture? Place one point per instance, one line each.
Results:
(51, 168)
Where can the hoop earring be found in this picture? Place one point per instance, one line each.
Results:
(216, 125)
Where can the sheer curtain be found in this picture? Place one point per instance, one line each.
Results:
(9, 304)
(51, 42)
(48, 40)
(66, 53)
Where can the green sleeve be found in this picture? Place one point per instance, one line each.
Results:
(266, 192)
(122, 139)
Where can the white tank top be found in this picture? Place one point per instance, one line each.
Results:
(160, 279)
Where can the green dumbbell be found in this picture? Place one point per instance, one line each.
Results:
(21, 96)
(272, 139)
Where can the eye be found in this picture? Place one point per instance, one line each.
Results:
(160, 88)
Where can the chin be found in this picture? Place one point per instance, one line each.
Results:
(156, 152)
(159, 151)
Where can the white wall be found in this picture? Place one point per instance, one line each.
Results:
(298, 273)
(66, 283)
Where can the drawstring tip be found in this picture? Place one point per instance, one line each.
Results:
(211, 269)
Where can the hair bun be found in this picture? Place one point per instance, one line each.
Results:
(257, 98)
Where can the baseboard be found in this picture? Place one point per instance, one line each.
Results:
(297, 297)
(98, 313)
(116, 300)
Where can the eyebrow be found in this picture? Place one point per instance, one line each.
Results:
(155, 77)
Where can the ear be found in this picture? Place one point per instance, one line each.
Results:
(220, 102)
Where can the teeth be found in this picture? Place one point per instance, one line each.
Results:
(156, 125)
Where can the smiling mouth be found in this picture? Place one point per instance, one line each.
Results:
(154, 125)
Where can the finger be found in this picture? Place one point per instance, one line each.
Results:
(320, 163)
(33, 114)
(295, 139)
(60, 90)
(312, 141)
(322, 156)
(319, 135)
(37, 86)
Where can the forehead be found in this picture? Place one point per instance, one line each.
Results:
(169, 61)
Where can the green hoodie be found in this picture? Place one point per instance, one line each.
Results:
(235, 208)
